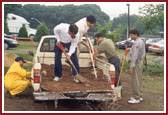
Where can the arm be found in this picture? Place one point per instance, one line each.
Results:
(22, 72)
(57, 31)
(73, 45)
(134, 58)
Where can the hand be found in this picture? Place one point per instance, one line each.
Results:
(94, 55)
(126, 51)
(130, 71)
(68, 57)
(58, 43)
(88, 47)
(86, 37)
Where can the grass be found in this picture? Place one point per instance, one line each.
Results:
(5, 70)
(153, 68)
(25, 56)
(26, 45)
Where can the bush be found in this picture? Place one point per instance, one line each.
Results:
(6, 29)
(23, 32)
(42, 30)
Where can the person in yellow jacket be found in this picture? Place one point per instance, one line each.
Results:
(16, 79)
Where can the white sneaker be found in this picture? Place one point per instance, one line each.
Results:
(133, 101)
(56, 79)
(76, 80)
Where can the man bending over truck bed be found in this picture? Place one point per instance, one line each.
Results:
(68, 36)
(107, 46)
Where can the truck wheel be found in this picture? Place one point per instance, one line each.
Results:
(31, 36)
(106, 106)
(6, 46)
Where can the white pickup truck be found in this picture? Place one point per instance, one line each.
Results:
(45, 55)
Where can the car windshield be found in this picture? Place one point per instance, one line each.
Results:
(161, 42)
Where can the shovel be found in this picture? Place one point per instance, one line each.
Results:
(78, 76)
(91, 56)
(123, 62)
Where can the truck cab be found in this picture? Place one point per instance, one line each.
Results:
(15, 22)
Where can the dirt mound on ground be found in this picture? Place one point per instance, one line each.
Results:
(67, 84)
(9, 58)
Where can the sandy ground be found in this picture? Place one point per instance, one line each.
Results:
(151, 102)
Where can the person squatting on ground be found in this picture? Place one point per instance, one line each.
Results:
(68, 36)
(136, 59)
(107, 46)
(17, 79)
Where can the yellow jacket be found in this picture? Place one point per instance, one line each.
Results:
(16, 77)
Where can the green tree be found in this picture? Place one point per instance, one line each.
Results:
(152, 16)
(6, 29)
(103, 29)
(8, 8)
(23, 32)
(42, 30)
(54, 15)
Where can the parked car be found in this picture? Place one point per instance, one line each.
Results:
(157, 47)
(10, 43)
(130, 42)
(121, 44)
(150, 41)
(8, 36)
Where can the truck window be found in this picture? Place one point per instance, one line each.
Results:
(13, 18)
(48, 45)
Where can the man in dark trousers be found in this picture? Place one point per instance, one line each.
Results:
(107, 46)
(68, 36)
(136, 58)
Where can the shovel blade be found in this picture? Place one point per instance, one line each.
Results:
(82, 79)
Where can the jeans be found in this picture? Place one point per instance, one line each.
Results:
(58, 63)
(116, 62)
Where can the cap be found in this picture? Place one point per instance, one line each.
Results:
(19, 58)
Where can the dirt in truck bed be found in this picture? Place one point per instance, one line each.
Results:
(67, 84)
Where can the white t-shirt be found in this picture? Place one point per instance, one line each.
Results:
(82, 27)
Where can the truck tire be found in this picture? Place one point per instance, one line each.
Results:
(6, 46)
(106, 106)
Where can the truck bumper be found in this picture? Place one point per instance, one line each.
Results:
(94, 96)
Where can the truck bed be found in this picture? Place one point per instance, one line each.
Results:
(66, 84)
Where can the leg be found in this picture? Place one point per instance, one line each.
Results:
(58, 63)
(116, 62)
(74, 59)
(75, 62)
(136, 80)
(20, 86)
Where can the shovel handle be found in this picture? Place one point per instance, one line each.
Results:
(69, 60)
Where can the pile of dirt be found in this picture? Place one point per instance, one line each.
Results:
(9, 58)
(67, 84)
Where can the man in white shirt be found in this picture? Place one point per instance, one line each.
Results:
(83, 25)
(68, 36)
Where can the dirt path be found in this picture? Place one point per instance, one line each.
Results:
(153, 101)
